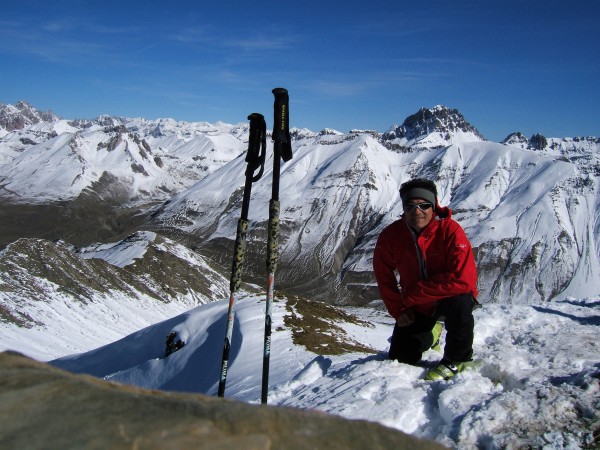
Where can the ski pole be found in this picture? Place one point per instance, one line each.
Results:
(282, 149)
(255, 158)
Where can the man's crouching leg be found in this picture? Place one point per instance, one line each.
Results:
(459, 324)
(408, 343)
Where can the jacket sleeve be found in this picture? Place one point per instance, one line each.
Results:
(459, 278)
(383, 268)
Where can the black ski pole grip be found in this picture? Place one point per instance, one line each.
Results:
(281, 127)
(256, 146)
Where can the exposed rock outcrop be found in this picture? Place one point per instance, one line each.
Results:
(43, 407)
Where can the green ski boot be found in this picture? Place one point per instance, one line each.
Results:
(437, 332)
(445, 370)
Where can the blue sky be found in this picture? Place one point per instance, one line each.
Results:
(527, 65)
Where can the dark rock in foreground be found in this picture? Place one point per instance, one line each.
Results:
(45, 407)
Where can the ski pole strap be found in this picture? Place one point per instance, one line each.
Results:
(238, 255)
(273, 232)
(281, 127)
(257, 146)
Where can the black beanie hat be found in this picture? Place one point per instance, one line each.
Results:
(419, 188)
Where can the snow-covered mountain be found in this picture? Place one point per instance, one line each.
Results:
(434, 127)
(97, 180)
(532, 215)
(86, 297)
(121, 160)
(530, 206)
(21, 115)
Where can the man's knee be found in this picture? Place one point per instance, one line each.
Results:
(459, 305)
(464, 301)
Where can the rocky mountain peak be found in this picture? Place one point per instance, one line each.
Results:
(439, 119)
(538, 142)
(518, 139)
(106, 120)
(22, 114)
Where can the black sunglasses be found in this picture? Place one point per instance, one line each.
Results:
(409, 207)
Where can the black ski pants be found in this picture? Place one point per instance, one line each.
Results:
(408, 343)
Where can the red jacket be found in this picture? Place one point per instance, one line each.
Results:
(447, 258)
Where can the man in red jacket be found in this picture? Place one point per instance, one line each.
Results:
(425, 270)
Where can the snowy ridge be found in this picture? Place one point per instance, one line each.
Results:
(58, 160)
(57, 300)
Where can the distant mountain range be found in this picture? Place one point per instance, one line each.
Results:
(529, 205)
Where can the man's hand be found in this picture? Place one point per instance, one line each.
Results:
(406, 319)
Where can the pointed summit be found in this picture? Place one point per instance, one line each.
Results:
(17, 117)
(516, 139)
(439, 126)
